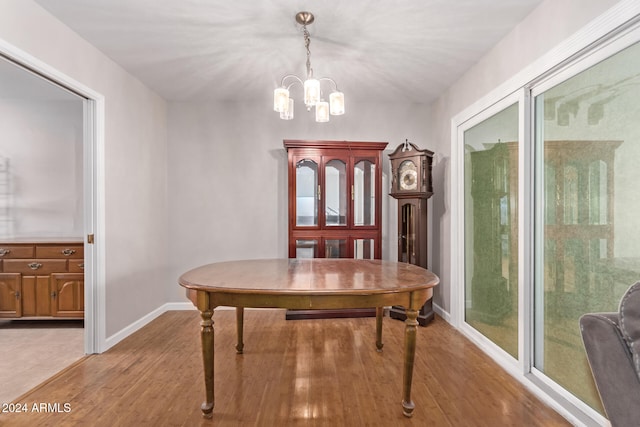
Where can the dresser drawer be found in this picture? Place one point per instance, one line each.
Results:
(74, 251)
(16, 251)
(35, 267)
(76, 266)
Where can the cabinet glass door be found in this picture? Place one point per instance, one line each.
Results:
(306, 193)
(335, 176)
(306, 248)
(335, 248)
(364, 193)
(363, 249)
(408, 234)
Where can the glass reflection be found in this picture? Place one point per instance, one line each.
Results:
(491, 228)
(335, 193)
(408, 233)
(588, 140)
(335, 248)
(364, 189)
(363, 249)
(306, 248)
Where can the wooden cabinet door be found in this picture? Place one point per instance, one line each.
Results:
(36, 296)
(67, 298)
(10, 295)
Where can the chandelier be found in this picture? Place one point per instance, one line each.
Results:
(313, 94)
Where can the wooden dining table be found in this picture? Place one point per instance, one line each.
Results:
(308, 284)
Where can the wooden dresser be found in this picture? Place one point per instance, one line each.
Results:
(42, 280)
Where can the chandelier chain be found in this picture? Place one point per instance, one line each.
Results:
(307, 42)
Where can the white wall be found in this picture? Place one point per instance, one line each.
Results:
(228, 175)
(135, 159)
(547, 26)
(41, 192)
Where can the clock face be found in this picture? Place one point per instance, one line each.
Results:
(408, 176)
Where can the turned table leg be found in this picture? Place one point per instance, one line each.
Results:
(409, 356)
(207, 337)
(240, 329)
(379, 313)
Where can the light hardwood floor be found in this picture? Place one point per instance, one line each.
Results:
(307, 373)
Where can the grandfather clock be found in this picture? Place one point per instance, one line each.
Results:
(411, 185)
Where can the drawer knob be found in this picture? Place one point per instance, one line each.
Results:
(4, 251)
(34, 265)
(81, 265)
(68, 252)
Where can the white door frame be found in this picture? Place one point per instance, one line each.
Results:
(93, 178)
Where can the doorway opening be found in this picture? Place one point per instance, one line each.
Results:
(47, 208)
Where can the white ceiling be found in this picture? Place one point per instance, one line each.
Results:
(395, 50)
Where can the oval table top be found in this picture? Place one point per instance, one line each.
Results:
(317, 276)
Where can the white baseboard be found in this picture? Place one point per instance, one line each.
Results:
(133, 327)
(143, 321)
(440, 312)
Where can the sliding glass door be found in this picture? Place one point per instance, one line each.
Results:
(587, 137)
(491, 228)
(549, 217)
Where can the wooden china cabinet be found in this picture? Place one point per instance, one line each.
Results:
(335, 192)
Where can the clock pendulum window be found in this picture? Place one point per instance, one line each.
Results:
(411, 185)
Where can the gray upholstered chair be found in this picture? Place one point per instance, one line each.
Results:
(612, 342)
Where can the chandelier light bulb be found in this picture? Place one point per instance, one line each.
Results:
(336, 103)
(288, 113)
(322, 112)
(311, 92)
(280, 99)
